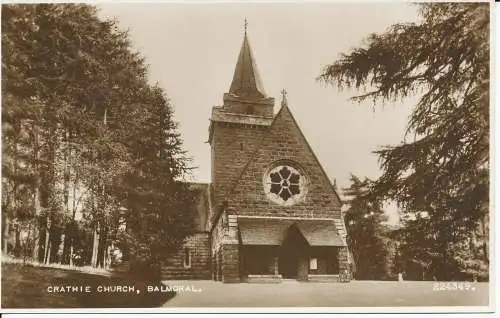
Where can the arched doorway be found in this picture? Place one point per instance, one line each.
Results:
(293, 256)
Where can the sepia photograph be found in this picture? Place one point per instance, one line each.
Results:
(230, 156)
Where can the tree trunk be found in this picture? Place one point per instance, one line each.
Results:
(36, 241)
(17, 246)
(36, 221)
(102, 249)
(485, 251)
(73, 228)
(66, 244)
(107, 263)
(485, 236)
(60, 247)
(49, 175)
(27, 244)
(36, 198)
(71, 251)
(46, 259)
(95, 245)
(5, 232)
(66, 184)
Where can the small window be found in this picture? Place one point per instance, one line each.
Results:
(187, 258)
(224, 220)
(241, 146)
(313, 263)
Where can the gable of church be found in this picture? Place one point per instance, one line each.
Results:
(283, 177)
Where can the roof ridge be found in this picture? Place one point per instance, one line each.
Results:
(244, 168)
(314, 155)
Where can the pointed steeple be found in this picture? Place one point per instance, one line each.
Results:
(246, 79)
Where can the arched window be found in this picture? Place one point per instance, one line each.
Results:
(187, 258)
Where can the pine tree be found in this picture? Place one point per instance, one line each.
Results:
(75, 96)
(158, 204)
(363, 220)
(444, 169)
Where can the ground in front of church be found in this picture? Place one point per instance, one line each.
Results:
(353, 294)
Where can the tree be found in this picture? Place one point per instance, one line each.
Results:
(366, 240)
(66, 60)
(17, 171)
(444, 170)
(76, 101)
(158, 205)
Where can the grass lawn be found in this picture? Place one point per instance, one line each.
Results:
(25, 286)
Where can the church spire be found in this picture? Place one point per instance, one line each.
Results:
(246, 79)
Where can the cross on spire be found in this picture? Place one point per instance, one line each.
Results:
(283, 97)
(246, 80)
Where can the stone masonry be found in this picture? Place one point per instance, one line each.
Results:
(198, 246)
(250, 147)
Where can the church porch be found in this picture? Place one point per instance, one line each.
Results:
(273, 250)
(270, 264)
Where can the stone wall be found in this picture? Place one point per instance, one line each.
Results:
(200, 267)
(284, 141)
(230, 263)
(241, 155)
(344, 270)
(218, 233)
(232, 145)
(225, 249)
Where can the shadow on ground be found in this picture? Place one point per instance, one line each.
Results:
(35, 287)
(25, 286)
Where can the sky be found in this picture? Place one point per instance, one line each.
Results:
(191, 50)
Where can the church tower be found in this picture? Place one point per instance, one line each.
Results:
(274, 212)
(239, 124)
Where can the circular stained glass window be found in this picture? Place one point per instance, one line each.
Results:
(284, 184)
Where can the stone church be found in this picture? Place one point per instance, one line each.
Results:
(270, 212)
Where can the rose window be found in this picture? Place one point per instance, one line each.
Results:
(284, 184)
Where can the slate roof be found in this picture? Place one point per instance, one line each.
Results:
(220, 115)
(320, 233)
(246, 79)
(262, 231)
(267, 231)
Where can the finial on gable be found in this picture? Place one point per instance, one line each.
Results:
(284, 101)
(246, 25)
